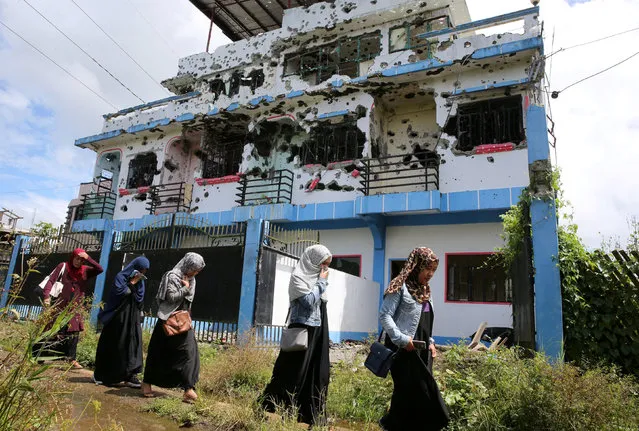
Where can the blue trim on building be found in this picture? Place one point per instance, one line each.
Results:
(508, 48)
(467, 217)
(295, 93)
(502, 84)
(537, 136)
(249, 275)
(337, 83)
(185, 117)
(98, 137)
(340, 336)
(11, 270)
(332, 114)
(260, 99)
(443, 341)
(496, 198)
(100, 280)
(147, 126)
(213, 111)
(153, 103)
(463, 201)
(481, 23)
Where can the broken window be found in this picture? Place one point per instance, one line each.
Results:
(142, 169)
(333, 143)
(406, 36)
(470, 279)
(256, 79)
(217, 87)
(222, 158)
(349, 264)
(349, 57)
(495, 121)
(235, 82)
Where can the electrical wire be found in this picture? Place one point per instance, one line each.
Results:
(117, 44)
(86, 53)
(132, 3)
(595, 74)
(61, 68)
(592, 41)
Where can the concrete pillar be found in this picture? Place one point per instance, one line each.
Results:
(543, 215)
(377, 225)
(249, 275)
(12, 266)
(107, 244)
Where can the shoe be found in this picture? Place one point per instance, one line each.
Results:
(76, 365)
(97, 382)
(134, 382)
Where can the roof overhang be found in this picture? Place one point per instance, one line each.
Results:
(241, 19)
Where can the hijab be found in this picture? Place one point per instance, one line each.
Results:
(76, 274)
(189, 263)
(121, 280)
(419, 259)
(307, 271)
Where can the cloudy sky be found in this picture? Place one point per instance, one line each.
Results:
(43, 110)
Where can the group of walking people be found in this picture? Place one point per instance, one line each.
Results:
(301, 377)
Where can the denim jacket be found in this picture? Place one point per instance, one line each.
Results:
(306, 309)
(399, 316)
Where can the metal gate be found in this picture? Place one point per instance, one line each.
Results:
(216, 305)
(277, 243)
(522, 276)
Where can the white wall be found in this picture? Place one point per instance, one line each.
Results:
(351, 242)
(452, 319)
(352, 305)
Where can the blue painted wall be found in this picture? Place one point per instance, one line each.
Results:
(249, 275)
(12, 267)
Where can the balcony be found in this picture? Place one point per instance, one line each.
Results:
(169, 198)
(400, 173)
(100, 205)
(275, 188)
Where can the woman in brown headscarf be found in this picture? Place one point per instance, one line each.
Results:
(407, 318)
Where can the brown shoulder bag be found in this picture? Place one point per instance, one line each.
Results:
(178, 322)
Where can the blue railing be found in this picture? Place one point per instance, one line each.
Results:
(27, 312)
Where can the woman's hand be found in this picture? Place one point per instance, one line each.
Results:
(410, 347)
(47, 301)
(83, 255)
(433, 350)
(324, 272)
(186, 283)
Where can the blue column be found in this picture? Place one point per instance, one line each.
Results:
(543, 214)
(107, 244)
(12, 266)
(377, 225)
(249, 275)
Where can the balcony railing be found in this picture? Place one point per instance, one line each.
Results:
(400, 173)
(170, 198)
(97, 206)
(276, 188)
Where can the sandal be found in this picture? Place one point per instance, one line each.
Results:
(76, 365)
(189, 396)
(147, 390)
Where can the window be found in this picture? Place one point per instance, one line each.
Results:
(344, 57)
(495, 121)
(222, 159)
(469, 279)
(142, 169)
(406, 36)
(396, 267)
(349, 264)
(333, 143)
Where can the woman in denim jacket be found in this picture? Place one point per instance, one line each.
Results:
(407, 316)
(301, 378)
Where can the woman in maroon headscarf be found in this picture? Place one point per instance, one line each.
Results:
(77, 272)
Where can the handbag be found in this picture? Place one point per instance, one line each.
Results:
(293, 339)
(178, 322)
(56, 288)
(380, 359)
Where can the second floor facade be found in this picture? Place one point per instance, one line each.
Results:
(369, 105)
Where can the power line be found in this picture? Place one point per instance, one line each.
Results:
(555, 94)
(592, 41)
(86, 53)
(117, 44)
(62, 68)
(132, 3)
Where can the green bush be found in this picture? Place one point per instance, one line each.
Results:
(87, 346)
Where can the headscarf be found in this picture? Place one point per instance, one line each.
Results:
(307, 271)
(121, 286)
(419, 259)
(76, 274)
(189, 263)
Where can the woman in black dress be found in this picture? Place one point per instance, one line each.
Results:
(301, 378)
(174, 361)
(407, 318)
(118, 357)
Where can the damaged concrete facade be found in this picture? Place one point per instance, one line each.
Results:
(362, 116)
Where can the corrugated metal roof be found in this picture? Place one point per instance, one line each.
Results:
(241, 19)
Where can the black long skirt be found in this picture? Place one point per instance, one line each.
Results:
(119, 353)
(301, 379)
(172, 362)
(416, 403)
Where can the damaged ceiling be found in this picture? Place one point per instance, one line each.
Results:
(242, 19)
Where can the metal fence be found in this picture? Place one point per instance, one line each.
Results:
(97, 206)
(290, 242)
(167, 198)
(63, 242)
(275, 188)
(404, 172)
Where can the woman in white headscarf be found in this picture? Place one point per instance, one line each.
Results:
(174, 361)
(301, 378)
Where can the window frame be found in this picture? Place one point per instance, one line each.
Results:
(350, 124)
(358, 256)
(454, 301)
(427, 43)
(131, 169)
(222, 150)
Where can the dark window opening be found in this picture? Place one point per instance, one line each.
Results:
(349, 264)
(333, 143)
(222, 158)
(235, 82)
(142, 169)
(217, 87)
(255, 79)
(343, 57)
(396, 267)
(495, 121)
(470, 279)
(406, 36)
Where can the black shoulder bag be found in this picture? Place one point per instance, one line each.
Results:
(380, 359)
